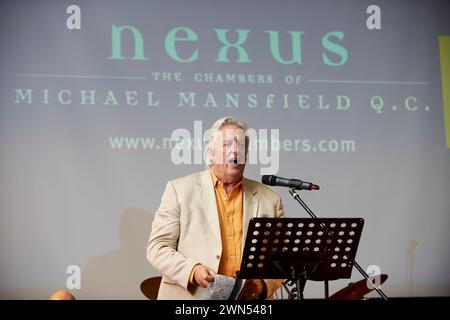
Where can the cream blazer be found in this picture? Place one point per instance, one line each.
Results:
(186, 230)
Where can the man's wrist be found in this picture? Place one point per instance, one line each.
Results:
(192, 275)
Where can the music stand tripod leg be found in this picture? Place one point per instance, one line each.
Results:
(299, 278)
(327, 295)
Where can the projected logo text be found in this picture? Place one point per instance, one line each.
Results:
(334, 54)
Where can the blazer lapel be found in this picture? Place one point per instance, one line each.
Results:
(251, 203)
(209, 204)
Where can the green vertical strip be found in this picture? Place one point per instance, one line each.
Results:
(444, 50)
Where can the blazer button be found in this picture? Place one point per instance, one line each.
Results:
(218, 257)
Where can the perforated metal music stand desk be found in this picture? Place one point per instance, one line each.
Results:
(300, 249)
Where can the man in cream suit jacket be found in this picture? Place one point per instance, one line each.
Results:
(202, 220)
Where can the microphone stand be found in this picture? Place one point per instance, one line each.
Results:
(357, 266)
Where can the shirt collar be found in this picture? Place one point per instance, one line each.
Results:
(216, 180)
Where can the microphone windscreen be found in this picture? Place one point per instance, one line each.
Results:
(266, 180)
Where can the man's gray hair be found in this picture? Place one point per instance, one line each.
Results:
(214, 130)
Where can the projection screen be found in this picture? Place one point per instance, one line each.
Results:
(103, 102)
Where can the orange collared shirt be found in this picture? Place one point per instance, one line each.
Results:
(230, 210)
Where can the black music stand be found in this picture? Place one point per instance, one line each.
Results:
(300, 249)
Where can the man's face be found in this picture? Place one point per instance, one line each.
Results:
(228, 154)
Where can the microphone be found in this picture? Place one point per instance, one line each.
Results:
(290, 183)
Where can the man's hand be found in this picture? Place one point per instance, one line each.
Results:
(203, 275)
(254, 289)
